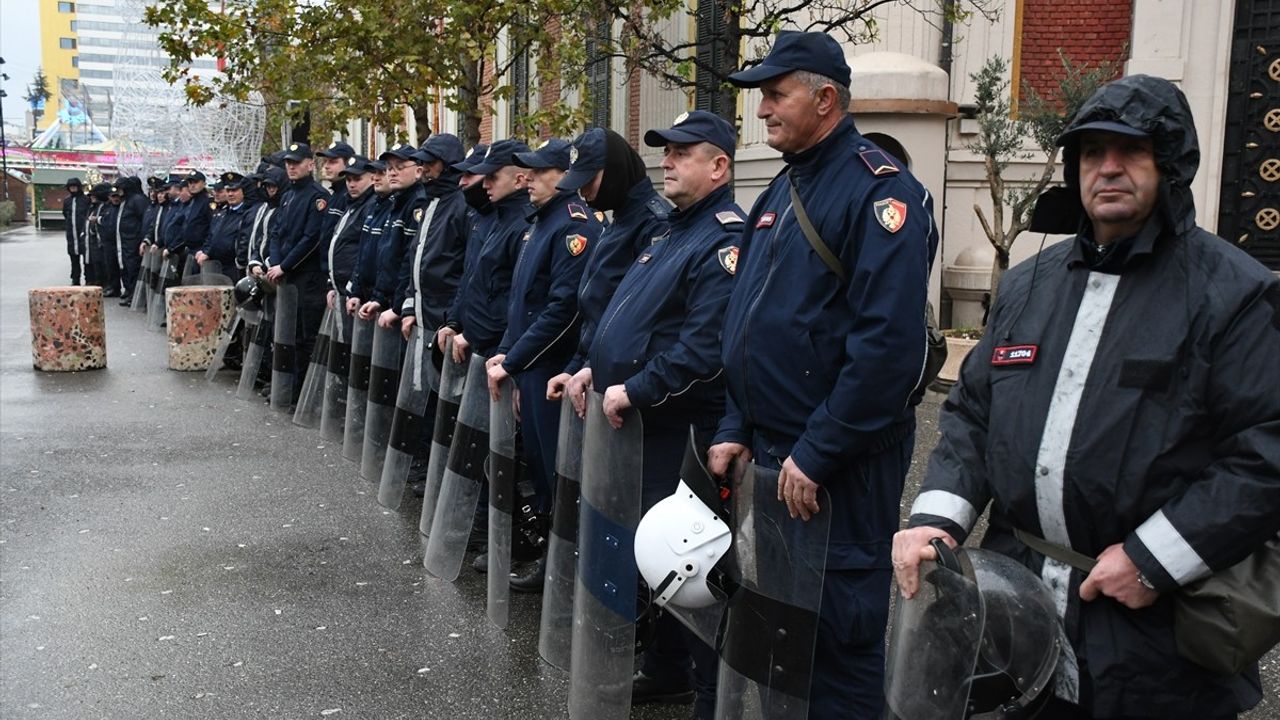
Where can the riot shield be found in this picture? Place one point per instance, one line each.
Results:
(357, 388)
(258, 332)
(166, 277)
(463, 477)
(384, 383)
(771, 622)
(604, 601)
(418, 377)
(138, 298)
(150, 269)
(333, 415)
(453, 376)
(284, 347)
(311, 397)
(189, 267)
(210, 274)
(556, 627)
(502, 490)
(227, 337)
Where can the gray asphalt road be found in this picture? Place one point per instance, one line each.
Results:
(167, 550)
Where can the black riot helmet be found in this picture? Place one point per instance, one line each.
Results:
(249, 291)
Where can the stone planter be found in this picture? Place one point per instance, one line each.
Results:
(957, 349)
(68, 328)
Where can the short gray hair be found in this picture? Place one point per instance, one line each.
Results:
(816, 83)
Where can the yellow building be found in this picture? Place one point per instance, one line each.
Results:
(59, 56)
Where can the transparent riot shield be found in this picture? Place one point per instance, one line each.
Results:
(226, 337)
(210, 273)
(453, 377)
(556, 628)
(150, 270)
(166, 277)
(333, 415)
(463, 477)
(357, 388)
(138, 298)
(604, 601)
(384, 384)
(771, 622)
(311, 397)
(503, 466)
(258, 332)
(418, 378)
(284, 347)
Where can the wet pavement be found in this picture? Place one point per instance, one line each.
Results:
(168, 550)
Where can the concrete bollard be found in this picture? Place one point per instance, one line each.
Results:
(68, 328)
(196, 317)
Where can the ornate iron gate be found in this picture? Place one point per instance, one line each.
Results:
(1249, 213)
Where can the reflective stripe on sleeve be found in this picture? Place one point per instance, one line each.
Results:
(948, 505)
(1171, 550)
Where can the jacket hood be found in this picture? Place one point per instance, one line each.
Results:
(1157, 108)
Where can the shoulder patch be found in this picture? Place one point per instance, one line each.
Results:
(417, 215)
(321, 204)
(728, 217)
(658, 207)
(878, 162)
(728, 257)
(600, 218)
(213, 205)
(890, 213)
(576, 244)
(577, 212)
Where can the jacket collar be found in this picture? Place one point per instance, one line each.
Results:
(684, 218)
(803, 161)
(1122, 255)
(558, 200)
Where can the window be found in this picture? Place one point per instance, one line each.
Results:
(599, 82)
(67, 43)
(66, 7)
(708, 95)
(75, 61)
(73, 26)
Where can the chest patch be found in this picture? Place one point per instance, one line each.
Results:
(1014, 355)
(577, 244)
(728, 257)
(891, 214)
(577, 212)
(644, 258)
(321, 204)
(766, 220)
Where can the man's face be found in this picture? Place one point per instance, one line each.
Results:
(542, 184)
(402, 173)
(690, 172)
(790, 113)
(381, 182)
(195, 186)
(1119, 182)
(504, 181)
(468, 179)
(591, 189)
(299, 169)
(357, 184)
(220, 196)
(331, 167)
(234, 196)
(115, 199)
(270, 189)
(184, 193)
(173, 192)
(432, 170)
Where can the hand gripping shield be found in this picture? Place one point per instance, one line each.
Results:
(604, 601)
(210, 274)
(502, 490)
(556, 628)
(167, 276)
(358, 388)
(384, 383)
(258, 331)
(418, 377)
(311, 396)
(453, 377)
(463, 478)
(284, 347)
(333, 416)
(771, 621)
(981, 639)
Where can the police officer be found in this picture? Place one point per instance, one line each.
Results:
(75, 213)
(611, 177)
(109, 238)
(333, 160)
(198, 215)
(824, 347)
(130, 225)
(480, 218)
(377, 218)
(432, 267)
(230, 231)
(155, 196)
(257, 255)
(408, 202)
(175, 240)
(93, 263)
(657, 349)
(344, 244)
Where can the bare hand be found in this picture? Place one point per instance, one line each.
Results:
(256, 270)
(497, 374)
(443, 335)
(142, 249)
(165, 253)
(406, 325)
(910, 548)
(797, 491)
(461, 348)
(353, 305)
(615, 401)
(720, 457)
(388, 319)
(1116, 576)
(369, 310)
(275, 274)
(579, 384)
(557, 385)
(331, 299)
(201, 257)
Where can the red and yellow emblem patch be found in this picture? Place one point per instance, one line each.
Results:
(576, 244)
(321, 204)
(891, 214)
(728, 257)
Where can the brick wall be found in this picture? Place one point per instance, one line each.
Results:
(1086, 31)
(486, 106)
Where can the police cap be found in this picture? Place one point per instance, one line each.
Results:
(553, 153)
(337, 150)
(195, 176)
(356, 165)
(499, 155)
(695, 127)
(813, 52)
(296, 152)
(477, 154)
(400, 152)
(443, 147)
(586, 158)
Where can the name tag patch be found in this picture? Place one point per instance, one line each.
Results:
(766, 220)
(1015, 355)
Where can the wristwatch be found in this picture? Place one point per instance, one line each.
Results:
(1145, 582)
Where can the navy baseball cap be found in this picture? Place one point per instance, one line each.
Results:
(499, 155)
(296, 152)
(232, 180)
(553, 153)
(195, 176)
(356, 165)
(695, 127)
(443, 147)
(1111, 126)
(477, 154)
(814, 52)
(377, 166)
(400, 152)
(586, 158)
(337, 150)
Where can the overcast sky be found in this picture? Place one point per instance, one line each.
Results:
(20, 48)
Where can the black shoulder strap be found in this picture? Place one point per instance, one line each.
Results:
(811, 234)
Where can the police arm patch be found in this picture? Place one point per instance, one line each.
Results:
(321, 204)
(577, 212)
(576, 244)
(417, 215)
(728, 217)
(891, 213)
(728, 257)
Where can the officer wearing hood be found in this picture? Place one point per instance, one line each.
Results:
(1123, 405)
(480, 219)
(131, 224)
(75, 213)
(433, 257)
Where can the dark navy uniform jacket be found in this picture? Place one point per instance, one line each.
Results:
(481, 309)
(75, 212)
(197, 218)
(107, 214)
(660, 335)
(150, 221)
(344, 242)
(296, 228)
(635, 227)
(339, 201)
(408, 209)
(174, 239)
(230, 231)
(258, 251)
(542, 319)
(432, 266)
(131, 220)
(377, 220)
(250, 211)
(479, 224)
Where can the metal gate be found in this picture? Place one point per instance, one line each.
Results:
(1249, 213)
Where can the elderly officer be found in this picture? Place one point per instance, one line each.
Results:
(75, 212)
(1123, 403)
(824, 347)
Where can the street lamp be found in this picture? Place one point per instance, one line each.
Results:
(4, 144)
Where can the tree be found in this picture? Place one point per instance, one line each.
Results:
(38, 93)
(1002, 133)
